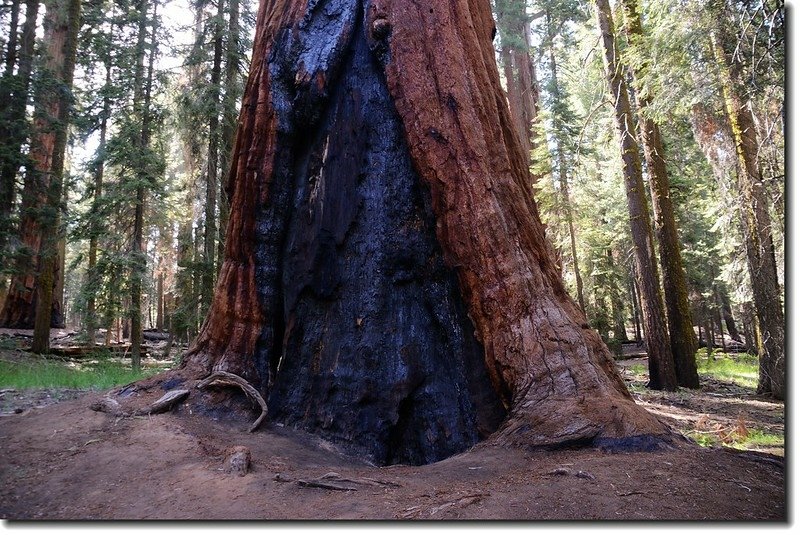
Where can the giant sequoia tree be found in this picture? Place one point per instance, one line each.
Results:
(387, 283)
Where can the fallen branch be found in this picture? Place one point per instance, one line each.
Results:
(317, 483)
(221, 378)
(162, 404)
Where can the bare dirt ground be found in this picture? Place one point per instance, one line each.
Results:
(61, 460)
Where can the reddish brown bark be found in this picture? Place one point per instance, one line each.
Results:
(553, 369)
(545, 363)
(41, 193)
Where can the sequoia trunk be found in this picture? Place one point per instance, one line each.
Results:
(387, 283)
(32, 299)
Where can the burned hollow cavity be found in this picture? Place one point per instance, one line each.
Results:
(369, 345)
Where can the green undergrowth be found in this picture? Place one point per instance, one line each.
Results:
(754, 439)
(99, 372)
(738, 368)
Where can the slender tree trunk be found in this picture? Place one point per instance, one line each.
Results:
(212, 182)
(141, 105)
(519, 70)
(718, 318)
(91, 302)
(617, 307)
(712, 342)
(727, 314)
(229, 118)
(387, 281)
(676, 296)
(756, 223)
(48, 148)
(661, 363)
(749, 327)
(637, 324)
(561, 163)
(160, 302)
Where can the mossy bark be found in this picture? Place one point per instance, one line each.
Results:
(683, 341)
(756, 224)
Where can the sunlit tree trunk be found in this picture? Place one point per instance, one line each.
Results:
(229, 116)
(656, 335)
(756, 224)
(143, 82)
(99, 171)
(683, 341)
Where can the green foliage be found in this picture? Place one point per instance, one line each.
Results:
(97, 373)
(738, 368)
(755, 439)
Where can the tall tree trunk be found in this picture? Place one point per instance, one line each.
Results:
(160, 311)
(99, 171)
(14, 95)
(561, 164)
(387, 281)
(48, 148)
(229, 117)
(661, 363)
(754, 212)
(141, 105)
(683, 341)
(212, 182)
(519, 70)
(13, 134)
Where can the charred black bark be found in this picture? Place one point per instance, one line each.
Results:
(369, 341)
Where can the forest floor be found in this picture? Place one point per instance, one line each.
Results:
(61, 460)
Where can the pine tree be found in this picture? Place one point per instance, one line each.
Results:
(683, 341)
(661, 363)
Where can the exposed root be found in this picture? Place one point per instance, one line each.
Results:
(162, 404)
(220, 378)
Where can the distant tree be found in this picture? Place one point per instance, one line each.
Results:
(676, 295)
(753, 207)
(661, 363)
